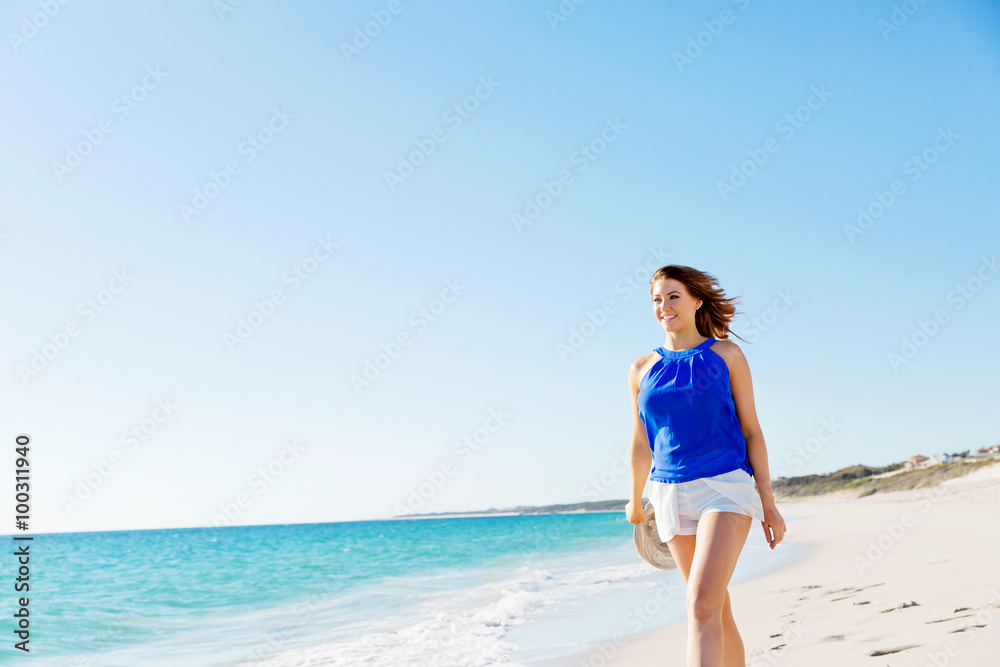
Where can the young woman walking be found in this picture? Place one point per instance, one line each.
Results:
(695, 436)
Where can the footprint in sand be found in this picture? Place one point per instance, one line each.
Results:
(942, 620)
(881, 583)
(850, 590)
(901, 605)
(968, 627)
(887, 651)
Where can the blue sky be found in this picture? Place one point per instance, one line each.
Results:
(185, 167)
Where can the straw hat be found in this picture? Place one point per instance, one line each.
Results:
(648, 544)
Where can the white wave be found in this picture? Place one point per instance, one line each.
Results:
(466, 627)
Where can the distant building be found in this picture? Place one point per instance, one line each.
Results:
(914, 462)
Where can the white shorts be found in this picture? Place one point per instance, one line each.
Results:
(678, 506)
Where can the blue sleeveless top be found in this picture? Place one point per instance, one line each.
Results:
(686, 403)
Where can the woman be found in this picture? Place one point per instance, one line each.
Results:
(695, 436)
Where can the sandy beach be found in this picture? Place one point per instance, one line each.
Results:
(900, 579)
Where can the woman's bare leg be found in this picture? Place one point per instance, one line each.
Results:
(719, 541)
(734, 654)
(682, 548)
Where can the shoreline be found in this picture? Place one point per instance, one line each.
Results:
(851, 594)
(468, 515)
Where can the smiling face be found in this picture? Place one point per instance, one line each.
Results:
(673, 307)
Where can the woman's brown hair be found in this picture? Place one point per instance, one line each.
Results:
(716, 312)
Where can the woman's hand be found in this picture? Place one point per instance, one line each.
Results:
(635, 512)
(773, 524)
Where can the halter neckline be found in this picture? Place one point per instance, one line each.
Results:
(678, 354)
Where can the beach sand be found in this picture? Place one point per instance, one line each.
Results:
(908, 578)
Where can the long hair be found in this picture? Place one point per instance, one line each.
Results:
(716, 312)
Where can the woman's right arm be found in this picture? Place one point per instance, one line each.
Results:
(640, 455)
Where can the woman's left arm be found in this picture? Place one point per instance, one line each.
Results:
(746, 412)
(742, 388)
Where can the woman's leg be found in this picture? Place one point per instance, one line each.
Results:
(734, 654)
(682, 548)
(719, 541)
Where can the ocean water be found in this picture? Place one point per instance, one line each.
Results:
(459, 591)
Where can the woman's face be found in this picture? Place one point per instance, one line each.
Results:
(673, 307)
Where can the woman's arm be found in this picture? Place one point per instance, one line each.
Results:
(746, 412)
(640, 455)
(742, 388)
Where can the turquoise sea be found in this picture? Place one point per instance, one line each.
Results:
(456, 591)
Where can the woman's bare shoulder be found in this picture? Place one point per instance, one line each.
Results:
(642, 364)
(643, 360)
(727, 349)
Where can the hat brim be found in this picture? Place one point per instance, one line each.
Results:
(648, 544)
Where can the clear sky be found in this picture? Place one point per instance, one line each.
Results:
(263, 267)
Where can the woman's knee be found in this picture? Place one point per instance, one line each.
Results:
(704, 605)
